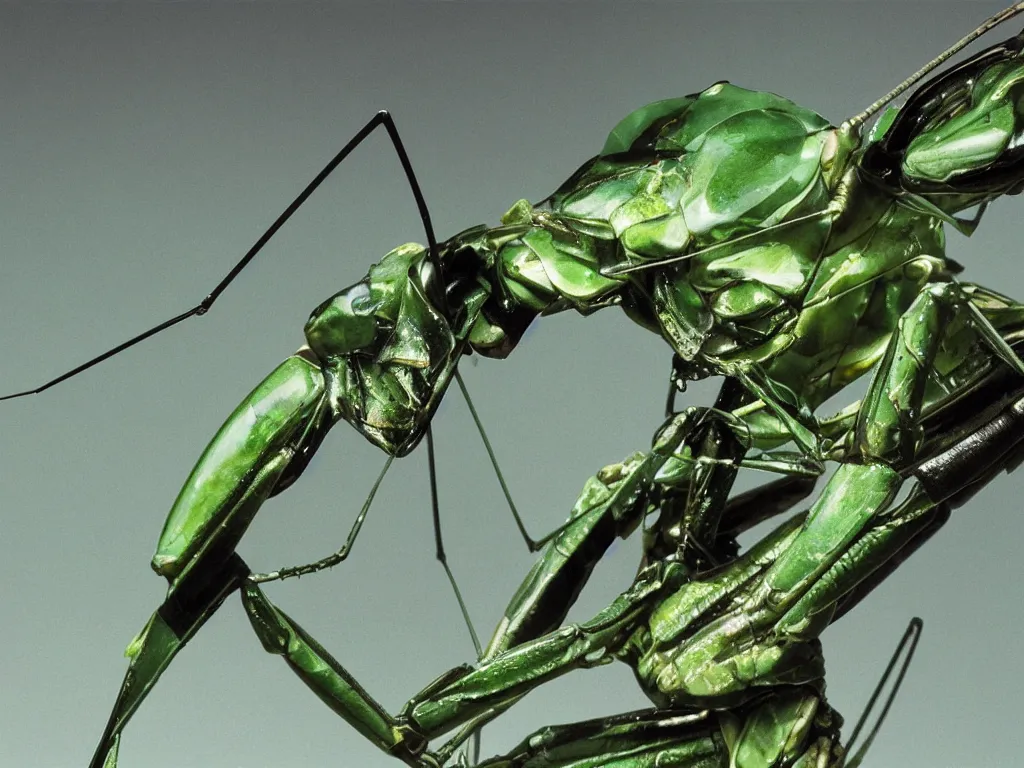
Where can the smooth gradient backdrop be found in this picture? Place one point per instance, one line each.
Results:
(144, 147)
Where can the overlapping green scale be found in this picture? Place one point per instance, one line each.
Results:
(721, 102)
(636, 123)
(680, 174)
(747, 168)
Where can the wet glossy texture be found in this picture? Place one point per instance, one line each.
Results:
(764, 245)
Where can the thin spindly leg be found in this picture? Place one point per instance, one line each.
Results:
(612, 504)
(464, 692)
(261, 450)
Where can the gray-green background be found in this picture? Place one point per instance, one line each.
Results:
(144, 147)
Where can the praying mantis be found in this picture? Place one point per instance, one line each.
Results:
(556, 517)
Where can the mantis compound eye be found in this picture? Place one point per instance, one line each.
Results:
(344, 323)
(353, 319)
(433, 285)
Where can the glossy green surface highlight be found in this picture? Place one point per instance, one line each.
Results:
(763, 245)
(261, 424)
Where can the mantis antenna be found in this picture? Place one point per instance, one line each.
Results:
(994, 21)
(908, 641)
(849, 127)
(382, 117)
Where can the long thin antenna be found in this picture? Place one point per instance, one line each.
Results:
(381, 118)
(908, 641)
(989, 24)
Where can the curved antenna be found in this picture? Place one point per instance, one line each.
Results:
(382, 117)
(911, 636)
(994, 21)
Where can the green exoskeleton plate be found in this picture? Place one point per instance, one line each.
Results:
(764, 245)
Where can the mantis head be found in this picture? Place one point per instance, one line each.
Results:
(389, 347)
